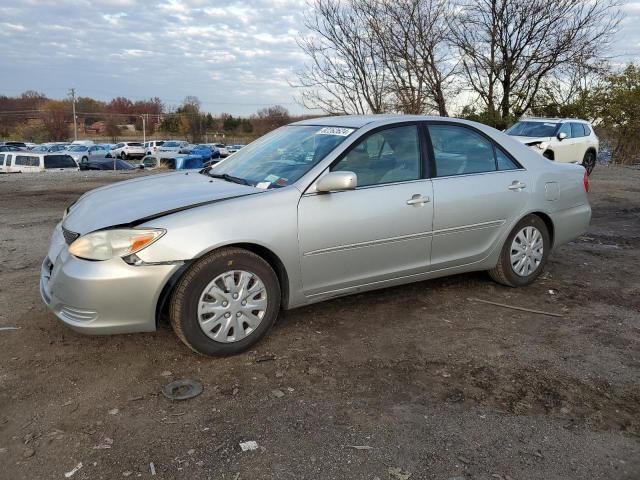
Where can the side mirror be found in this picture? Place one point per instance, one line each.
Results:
(337, 181)
(562, 136)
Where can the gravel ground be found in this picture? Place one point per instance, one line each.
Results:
(414, 380)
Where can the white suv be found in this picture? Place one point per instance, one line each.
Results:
(152, 146)
(564, 140)
(128, 150)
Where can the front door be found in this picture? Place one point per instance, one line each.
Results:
(377, 232)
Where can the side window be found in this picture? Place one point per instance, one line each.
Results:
(21, 160)
(460, 150)
(577, 130)
(7, 162)
(149, 162)
(391, 155)
(503, 162)
(587, 130)
(566, 128)
(1, 158)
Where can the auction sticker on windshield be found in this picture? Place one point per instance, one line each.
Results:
(342, 132)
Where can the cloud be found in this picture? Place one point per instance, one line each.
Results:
(234, 55)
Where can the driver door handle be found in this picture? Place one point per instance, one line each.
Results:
(516, 185)
(418, 199)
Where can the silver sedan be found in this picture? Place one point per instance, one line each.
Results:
(314, 210)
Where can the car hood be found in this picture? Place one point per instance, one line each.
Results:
(531, 140)
(129, 202)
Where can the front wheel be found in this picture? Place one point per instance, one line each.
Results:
(524, 253)
(225, 302)
(589, 162)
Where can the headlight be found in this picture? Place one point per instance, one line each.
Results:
(543, 145)
(106, 244)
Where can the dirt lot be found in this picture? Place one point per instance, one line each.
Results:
(436, 385)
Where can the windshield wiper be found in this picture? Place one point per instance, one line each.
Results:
(228, 178)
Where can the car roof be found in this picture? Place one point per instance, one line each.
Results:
(548, 119)
(358, 121)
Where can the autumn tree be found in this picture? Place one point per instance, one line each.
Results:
(56, 118)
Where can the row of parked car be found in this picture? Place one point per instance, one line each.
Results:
(19, 157)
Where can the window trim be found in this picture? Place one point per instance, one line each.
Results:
(434, 169)
(363, 137)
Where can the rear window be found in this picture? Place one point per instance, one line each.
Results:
(27, 161)
(134, 144)
(159, 144)
(59, 161)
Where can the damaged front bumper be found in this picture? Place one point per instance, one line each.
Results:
(101, 297)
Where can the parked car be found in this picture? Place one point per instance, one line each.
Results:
(11, 148)
(19, 145)
(30, 145)
(222, 148)
(314, 210)
(152, 146)
(172, 146)
(82, 142)
(28, 162)
(84, 153)
(560, 139)
(178, 162)
(106, 164)
(50, 147)
(234, 148)
(205, 152)
(128, 150)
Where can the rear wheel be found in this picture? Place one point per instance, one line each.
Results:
(589, 161)
(524, 253)
(226, 302)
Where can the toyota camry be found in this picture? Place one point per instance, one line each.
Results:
(311, 211)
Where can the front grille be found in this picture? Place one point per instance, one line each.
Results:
(69, 236)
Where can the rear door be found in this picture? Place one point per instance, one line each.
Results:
(478, 191)
(377, 232)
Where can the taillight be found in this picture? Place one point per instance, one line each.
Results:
(586, 181)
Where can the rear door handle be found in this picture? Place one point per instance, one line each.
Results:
(418, 199)
(516, 185)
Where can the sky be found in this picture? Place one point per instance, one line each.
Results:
(235, 56)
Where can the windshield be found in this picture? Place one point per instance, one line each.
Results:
(78, 148)
(533, 129)
(171, 144)
(283, 156)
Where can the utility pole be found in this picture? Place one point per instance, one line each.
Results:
(72, 92)
(144, 128)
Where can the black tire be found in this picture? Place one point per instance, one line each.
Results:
(589, 161)
(183, 310)
(85, 159)
(503, 272)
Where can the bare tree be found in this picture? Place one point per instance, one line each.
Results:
(413, 43)
(270, 118)
(345, 74)
(508, 47)
(373, 56)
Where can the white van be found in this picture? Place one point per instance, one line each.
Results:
(5, 162)
(28, 162)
